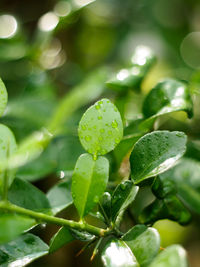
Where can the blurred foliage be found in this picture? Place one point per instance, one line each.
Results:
(48, 49)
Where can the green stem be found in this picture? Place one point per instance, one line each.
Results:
(41, 217)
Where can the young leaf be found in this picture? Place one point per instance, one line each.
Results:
(59, 196)
(22, 251)
(26, 195)
(167, 96)
(118, 254)
(89, 181)
(7, 147)
(100, 129)
(3, 98)
(172, 256)
(81, 235)
(12, 225)
(155, 153)
(184, 181)
(144, 242)
(61, 238)
(122, 197)
(105, 205)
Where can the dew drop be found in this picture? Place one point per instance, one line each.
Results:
(99, 117)
(123, 186)
(87, 138)
(100, 138)
(97, 106)
(109, 132)
(102, 130)
(96, 199)
(100, 102)
(114, 124)
(117, 140)
(94, 126)
(83, 127)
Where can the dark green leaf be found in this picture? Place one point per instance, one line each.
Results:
(156, 152)
(144, 243)
(106, 205)
(122, 197)
(184, 180)
(172, 256)
(100, 128)
(89, 182)
(3, 98)
(118, 254)
(22, 251)
(59, 196)
(167, 96)
(24, 194)
(12, 225)
(81, 235)
(61, 238)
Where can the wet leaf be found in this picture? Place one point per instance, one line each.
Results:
(172, 256)
(61, 238)
(22, 251)
(89, 181)
(118, 254)
(122, 197)
(100, 129)
(155, 153)
(144, 242)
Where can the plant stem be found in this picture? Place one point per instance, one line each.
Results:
(41, 217)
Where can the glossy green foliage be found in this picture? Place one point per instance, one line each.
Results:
(156, 152)
(22, 251)
(173, 255)
(82, 235)
(105, 205)
(122, 197)
(61, 238)
(100, 128)
(168, 208)
(89, 182)
(12, 225)
(26, 195)
(8, 146)
(144, 242)
(59, 196)
(184, 181)
(167, 96)
(117, 254)
(3, 97)
(131, 78)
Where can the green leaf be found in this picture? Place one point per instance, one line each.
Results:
(7, 147)
(122, 197)
(82, 235)
(89, 181)
(172, 256)
(59, 196)
(155, 153)
(12, 225)
(131, 78)
(167, 96)
(184, 181)
(118, 254)
(22, 251)
(106, 205)
(144, 242)
(26, 195)
(3, 98)
(61, 238)
(100, 128)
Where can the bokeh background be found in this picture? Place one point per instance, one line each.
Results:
(47, 47)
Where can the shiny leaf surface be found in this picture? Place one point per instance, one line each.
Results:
(89, 181)
(22, 251)
(61, 238)
(144, 243)
(156, 152)
(100, 128)
(118, 254)
(3, 98)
